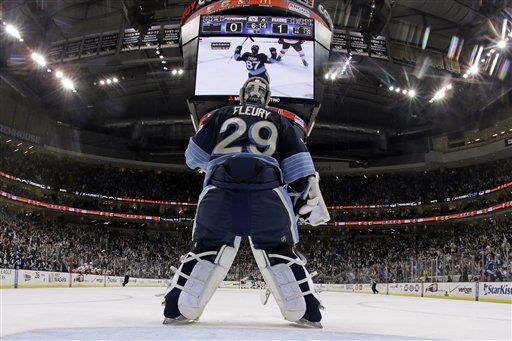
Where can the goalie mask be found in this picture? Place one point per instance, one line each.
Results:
(255, 90)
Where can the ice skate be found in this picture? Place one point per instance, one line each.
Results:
(306, 323)
(306, 64)
(178, 320)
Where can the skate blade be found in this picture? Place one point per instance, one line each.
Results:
(177, 320)
(306, 323)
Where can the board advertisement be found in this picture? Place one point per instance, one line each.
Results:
(458, 290)
(495, 292)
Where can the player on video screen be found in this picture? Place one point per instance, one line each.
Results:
(297, 46)
(255, 61)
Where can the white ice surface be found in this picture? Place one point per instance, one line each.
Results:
(136, 313)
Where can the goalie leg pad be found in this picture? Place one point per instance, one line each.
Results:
(290, 283)
(197, 278)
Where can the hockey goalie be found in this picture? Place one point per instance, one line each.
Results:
(255, 163)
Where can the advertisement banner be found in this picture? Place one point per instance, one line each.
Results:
(147, 282)
(28, 278)
(495, 292)
(58, 279)
(407, 289)
(113, 281)
(7, 278)
(363, 288)
(458, 290)
(79, 280)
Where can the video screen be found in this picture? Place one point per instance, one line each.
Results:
(222, 71)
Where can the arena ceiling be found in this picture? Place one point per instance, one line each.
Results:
(360, 118)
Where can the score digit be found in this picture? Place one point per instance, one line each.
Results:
(234, 27)
(280, 28)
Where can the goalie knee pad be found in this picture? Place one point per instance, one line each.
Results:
(197, 278)
(290, 283)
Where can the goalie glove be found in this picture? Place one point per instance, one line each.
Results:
(311, 207)
(273, 52)
(238, 49)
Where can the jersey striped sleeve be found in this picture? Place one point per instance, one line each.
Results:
(195, 156)
(297, 166)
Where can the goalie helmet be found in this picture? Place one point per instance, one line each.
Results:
(255, 90)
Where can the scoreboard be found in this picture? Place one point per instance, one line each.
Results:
(301, 28)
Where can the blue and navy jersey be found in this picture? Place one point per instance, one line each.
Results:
(250, 130)
(255, 64)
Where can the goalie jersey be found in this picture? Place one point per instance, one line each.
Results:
(244, 139)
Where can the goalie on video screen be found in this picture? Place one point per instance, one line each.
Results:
(224, 63)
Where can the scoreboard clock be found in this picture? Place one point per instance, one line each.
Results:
(301, 28)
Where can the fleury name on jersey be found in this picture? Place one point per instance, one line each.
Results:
(249, 110)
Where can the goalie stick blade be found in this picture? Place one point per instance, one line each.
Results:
(264, 295)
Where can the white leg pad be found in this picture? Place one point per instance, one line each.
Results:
(203, 280)
(283, 285)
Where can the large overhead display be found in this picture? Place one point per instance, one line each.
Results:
(233, 48)
(222, 71)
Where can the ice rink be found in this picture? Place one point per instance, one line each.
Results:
(136, 313)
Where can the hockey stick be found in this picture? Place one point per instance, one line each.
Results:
(252, 39)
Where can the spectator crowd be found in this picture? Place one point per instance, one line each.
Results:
(463, 252)
(75, 176)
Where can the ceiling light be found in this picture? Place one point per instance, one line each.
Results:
(411, 93)
(39, 59)
(13, 31)
(494, 135)
(165, 68)
(476, 140)
(115, 80)
(174, 72)
(449, 86)
(157, 52)
(102, 82)
(109, 81)
(502, 44)
(48, 70)
(391, 88)
(503, 132)
(163, 61)
(161, 57)
(397, 89)
(404, 92)
(180, 71)
(465, 75)
(68, 84)
(333, 76)
(59, 74)
(327, 76)
(473, 69)
(439, 95)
